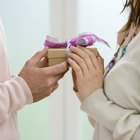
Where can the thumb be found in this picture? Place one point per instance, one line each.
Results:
(36, 58)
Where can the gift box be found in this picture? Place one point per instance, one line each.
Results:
(58, 55)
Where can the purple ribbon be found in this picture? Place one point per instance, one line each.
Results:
(85, 39)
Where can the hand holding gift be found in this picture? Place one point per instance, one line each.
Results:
(87, 71)
(58, 49)
(87, 64)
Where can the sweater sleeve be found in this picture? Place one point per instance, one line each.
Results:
(123, 123)
(91, 120)
(14, 94)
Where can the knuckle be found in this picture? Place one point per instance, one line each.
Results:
(92, 54)
(94, 73)
(37, 53)
(50, 83)
(98, 73)
(89, 51)
(28, 62)
(86, 56)
(77, 69)
(46, 73)
(81, 61)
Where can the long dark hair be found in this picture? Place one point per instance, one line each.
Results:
(134, 16)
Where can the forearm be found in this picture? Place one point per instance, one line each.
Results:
(90, 118)
(14, 94)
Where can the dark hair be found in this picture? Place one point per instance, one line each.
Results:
(134, 16)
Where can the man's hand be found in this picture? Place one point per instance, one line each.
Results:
(42, 80)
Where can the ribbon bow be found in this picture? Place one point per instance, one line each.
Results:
(85, 40)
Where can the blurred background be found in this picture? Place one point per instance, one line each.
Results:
(26, 23)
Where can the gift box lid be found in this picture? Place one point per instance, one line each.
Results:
(61, 52)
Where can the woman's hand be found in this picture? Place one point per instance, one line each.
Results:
(87, 71)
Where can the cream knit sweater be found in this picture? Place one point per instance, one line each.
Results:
(116, 108)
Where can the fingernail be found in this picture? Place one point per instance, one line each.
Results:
(72, 47)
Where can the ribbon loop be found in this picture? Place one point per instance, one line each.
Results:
(84, 39)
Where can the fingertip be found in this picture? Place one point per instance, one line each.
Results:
(70, 60)
(72, 48)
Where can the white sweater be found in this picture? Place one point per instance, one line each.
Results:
(116, 108)
(14, 94)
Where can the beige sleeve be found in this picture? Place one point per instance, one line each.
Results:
(92, 121)
(123, 123)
